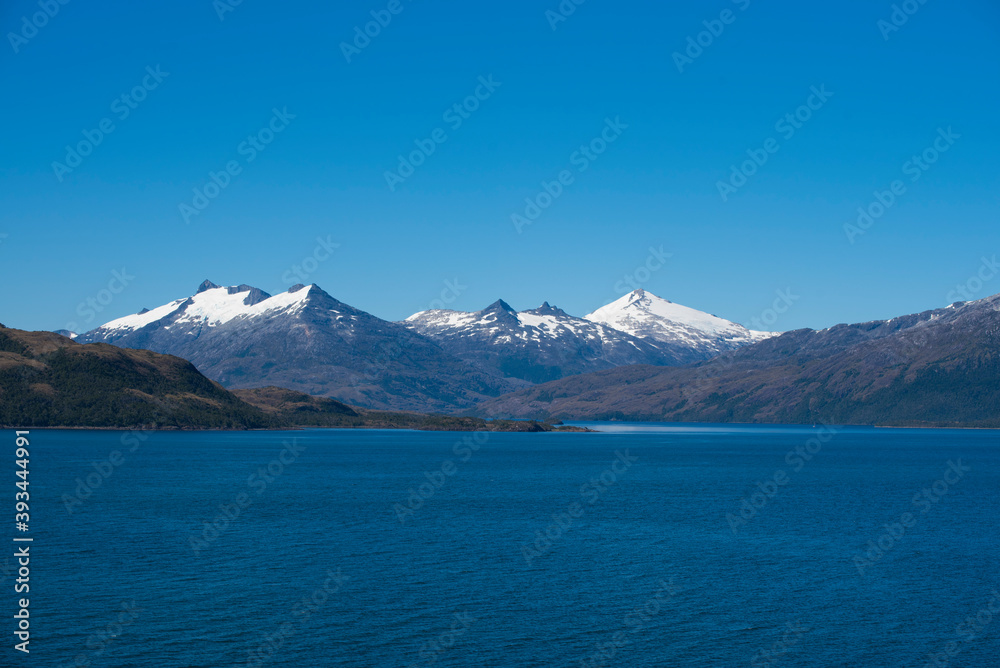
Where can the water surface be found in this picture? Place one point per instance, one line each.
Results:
(339, 558)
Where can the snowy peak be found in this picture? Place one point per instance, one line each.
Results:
(643, 305)
(537, 345)
(206, 285)
(210, 306)
(254, 295)
(499, 306)
(643, 314)
(545, 309)
(498, 312)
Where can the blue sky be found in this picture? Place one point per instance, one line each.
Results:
(342, 126)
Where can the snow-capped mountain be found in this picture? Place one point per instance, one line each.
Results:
(644, 315)
(305, 340)
(212, 306)
(538, 345)
(937, 368)
(439, 360)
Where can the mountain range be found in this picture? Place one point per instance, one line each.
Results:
(546, 343)
(940, 367)
(304, 340)
(440, 360)
(638, 358)
(48, 380)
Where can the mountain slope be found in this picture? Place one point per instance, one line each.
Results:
(47, 380)
(643, 314)
(305, 340)
(940, 367)
(538, 345)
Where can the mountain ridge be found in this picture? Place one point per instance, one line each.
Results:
(538, 344)
(448, 361)
(304, 340)
(938, 367)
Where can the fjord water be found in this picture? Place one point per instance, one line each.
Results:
(649, 572)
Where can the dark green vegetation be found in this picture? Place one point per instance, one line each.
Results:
(938, 368)
(48, 380)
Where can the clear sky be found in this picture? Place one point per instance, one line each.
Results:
(346, 115)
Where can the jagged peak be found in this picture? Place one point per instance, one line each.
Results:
(547, 309)
(638, 295)
(143, 311)
(313, 291)
(206, 285)
(498, 305)
(255, 296)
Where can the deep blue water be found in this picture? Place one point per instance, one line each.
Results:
(650, 570)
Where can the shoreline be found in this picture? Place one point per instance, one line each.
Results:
(555, 429)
